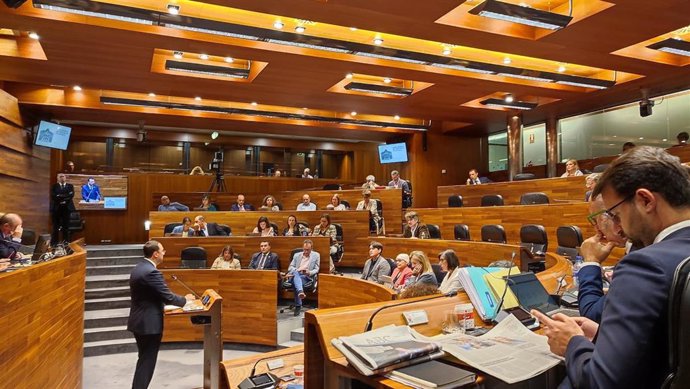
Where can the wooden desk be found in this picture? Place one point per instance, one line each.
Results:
(42, 317)
(570, 188)
(236, 370)
(339, 291)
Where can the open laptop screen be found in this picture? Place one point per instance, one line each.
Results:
(530, 293)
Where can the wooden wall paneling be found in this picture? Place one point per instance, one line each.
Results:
(571, 189)
(355, 223)
(249, 311)
(391, 199)
(42, 316)
(245, 246)
(331, 294)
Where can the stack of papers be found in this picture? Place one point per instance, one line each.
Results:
(432, 374)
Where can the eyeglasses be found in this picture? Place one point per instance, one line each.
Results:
(592, 218)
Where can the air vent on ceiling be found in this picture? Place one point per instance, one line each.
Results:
(378, 89)
(211, 70)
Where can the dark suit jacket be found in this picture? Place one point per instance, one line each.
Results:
(272, 261)
(214, 230)
(149, 294)
(61, 198)
(247, 207)
(8, 247)
(631, 349)
(422, 232)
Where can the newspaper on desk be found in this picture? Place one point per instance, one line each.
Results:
(509, 352)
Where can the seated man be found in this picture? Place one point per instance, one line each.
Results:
(475, 179)
(10, 235)
(376, 266)
(303, 268)
(414, 229)
(240, 205)
(264, 259)
(306, 204)
(185, 230)
(201, 228)
(90, 192)
(166, 205)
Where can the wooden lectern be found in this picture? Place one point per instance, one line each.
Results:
(207, 311)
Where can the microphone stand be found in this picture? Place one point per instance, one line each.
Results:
(174, 277)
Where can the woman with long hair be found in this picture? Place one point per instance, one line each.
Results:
(226, 260)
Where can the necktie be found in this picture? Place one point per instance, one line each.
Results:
(263, 261)
(62, 186)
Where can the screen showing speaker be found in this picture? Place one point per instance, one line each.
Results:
(99, 192)
(392, 153)
(52, 135)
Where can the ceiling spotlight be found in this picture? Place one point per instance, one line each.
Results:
(206, 143)
(561, 69)
(642, 138)
(173, 9)
(178, 55)
(214, 135)
(378, 41)
(353, 28)
(278, 25)
(254, 103)
(664, 140)
(353, 113)
(304, 108)
(300, 29)
(229, 59)
(34, 35)
(152, 94)
(203, 56)
(396, 117)
(507, 60)
(349, 76)
(387, 80)
(77, 88)
(197, 98)
(509, 98)
(447, 51)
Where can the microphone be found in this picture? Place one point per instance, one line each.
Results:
(370, 323)
(264, 380)
(174, 277)
(503, 296)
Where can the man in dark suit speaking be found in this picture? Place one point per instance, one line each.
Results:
(149, 294)
(61, 205)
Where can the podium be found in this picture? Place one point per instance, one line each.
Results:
(207, 312)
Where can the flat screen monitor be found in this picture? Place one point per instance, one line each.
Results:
(52, 135)
(392, 153)
(99, 192)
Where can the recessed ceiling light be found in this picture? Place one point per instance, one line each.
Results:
(178, 54)
(34, 35)
(353, 28)
(197, 98)
(77, 88)
(349, 75)
(615, 136)
(278, 24)
(203, 56)
(305, 108)
(561, 69)
(206, 143)
(387, 80)
(396, 117)
(507, 60)
(353, 113)
(447, 51)
(642, 138)
(612, 144)
(214, 135)
(152, 94)
(509, 99)
(300, 29)
(378, 41)
(254, 103)
(173, 9)
(229, 59)
(664, 140)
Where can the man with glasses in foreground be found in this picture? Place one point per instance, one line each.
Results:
(647, 191)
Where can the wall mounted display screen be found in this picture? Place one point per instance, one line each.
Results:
(99, 192)
(52, 135)
(392, 153)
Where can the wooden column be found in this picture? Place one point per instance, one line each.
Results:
(514, 147)
(551, 146)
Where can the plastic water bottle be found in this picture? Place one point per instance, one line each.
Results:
(576, 269)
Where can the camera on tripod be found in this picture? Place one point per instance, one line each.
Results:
(217, 163)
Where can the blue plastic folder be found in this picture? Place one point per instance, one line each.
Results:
(472, 279)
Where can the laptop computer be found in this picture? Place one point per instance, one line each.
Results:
(387, 281)
(531, 294)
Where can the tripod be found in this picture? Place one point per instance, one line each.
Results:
(218, 183)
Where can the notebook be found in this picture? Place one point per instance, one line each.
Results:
(433, 374)
(532, 295)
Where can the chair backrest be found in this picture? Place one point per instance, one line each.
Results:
(534, 198)
(462, 232)
(305, 225)
(434, 231)
(338, 232)
(226, 229)
(217, 206)
(533, 236)
(392, 265)
(407, 197)
(275, 228)
(279, 205)
(678, 330)
(455, 201)
(28, 237)
(492, 200)
(600, 168)
(170, 226)
(569, 239)
(438, 272)
(331, 187)
(193, 258)
(524, 176)
(493, 233)
(345, 203)
(379, 207)
(76, 223)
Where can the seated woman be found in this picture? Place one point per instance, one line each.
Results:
(402, 271)
(422, 273)
(185, 229)
(414, 229)
(226, 260)
(325, 228)
(451, 265)
(269, 204)
(294, 229)
(206, 204)
(263, 228)
(370, 205)
(371, 183)
(590, 183)
(572, 169)
(335, 204)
